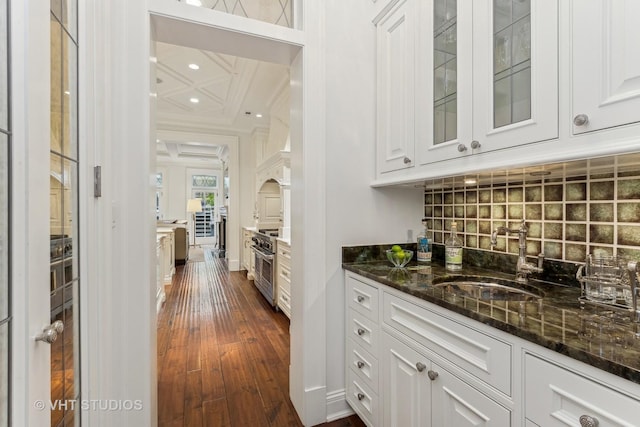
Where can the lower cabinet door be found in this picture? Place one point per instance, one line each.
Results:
(406, 392)
(363, 400)
(457, 404)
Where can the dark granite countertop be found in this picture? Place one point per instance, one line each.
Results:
(598, 336)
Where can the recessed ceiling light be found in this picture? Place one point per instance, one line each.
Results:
(470, 181)
(258, 115)
(194, 66)
(194, 100)
(194, 2)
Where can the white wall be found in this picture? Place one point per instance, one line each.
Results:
(247, 193)
(355, 212)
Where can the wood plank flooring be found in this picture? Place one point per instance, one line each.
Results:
(223, 353)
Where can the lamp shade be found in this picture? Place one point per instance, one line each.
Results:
(194, 205)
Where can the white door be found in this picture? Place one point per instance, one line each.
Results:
(204, 186)
(44, 224)
(605, 64)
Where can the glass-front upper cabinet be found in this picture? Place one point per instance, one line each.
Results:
(490, 76)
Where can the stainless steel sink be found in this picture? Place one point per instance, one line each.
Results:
(487, 288)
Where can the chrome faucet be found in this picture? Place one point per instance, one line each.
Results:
(523, 268)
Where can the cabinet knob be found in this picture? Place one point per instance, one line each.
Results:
(432, 375)
(360, 364)
(360, 396)
(361, 331)
(588, 421)
(462, 148)
(360, 298)
(407, 160)
(421, 366)
(475, 144)
(580, 120)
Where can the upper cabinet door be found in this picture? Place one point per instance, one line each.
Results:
(395, 87)
(515, 67)
(605, 64)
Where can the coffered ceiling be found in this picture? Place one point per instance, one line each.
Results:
(201, 92)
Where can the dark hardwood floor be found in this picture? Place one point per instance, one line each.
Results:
(223, 353)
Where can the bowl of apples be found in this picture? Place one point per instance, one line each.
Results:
(399, 257)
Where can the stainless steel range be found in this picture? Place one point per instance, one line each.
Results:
(264, 244)
(61, 271)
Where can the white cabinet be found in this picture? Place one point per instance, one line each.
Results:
(462, 78)
(283, 276)
(248, 259)
(555, 396)
(168, 254)
(418, 392)
(395, 36)
(605, 64)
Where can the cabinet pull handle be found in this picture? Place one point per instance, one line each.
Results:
(361, 331)
(421, 366)
(581, 120)
(360, 298)
(588, 421)
(407, 160)
(475, 144)
(360, 364)
(360, 396)
(432, 374)
(462, 148)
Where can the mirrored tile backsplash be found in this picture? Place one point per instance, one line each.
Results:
(590, 206)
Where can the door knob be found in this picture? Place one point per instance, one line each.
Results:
(432, 375)
(50, 333)
(475, 144)
(580, 120)
(462, 148)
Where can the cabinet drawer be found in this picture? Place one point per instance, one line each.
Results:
(284, 301)
(364, 365)
(284, 254)
(284, 278)
(362, 399)
(363, 331)
(483, 356)
(363, 297)
(555, 396)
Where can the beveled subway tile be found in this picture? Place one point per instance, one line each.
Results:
(471, 226)
(515, 212)
(437, 237)
(471, 196)
(501, 244)
(535, 229)
(514, 246)
(484, 227)
(553, 250)
(629, 189)
(459, 198)
(601, 212)
(428, 198)
(553, 193)
(437, 224)
(533, 212)
(437, 198)
(576, 191)
(602, 175)
(459, 211)
(484, 211)
(472, 211)
(629, 212)
(484, 196)
(534, 247)
(553, 230)
(499, 195)
(428, 211)
(553, 211)
(601, 233)
(448, 211)
(602, 190)
(448, 199)
(437, 211)
(575, 252)
(430, 224)
(499, 212)
(533, 194)
(576, 211)
(575, 232)
(515, 195)
(635, 172)
(629, 235)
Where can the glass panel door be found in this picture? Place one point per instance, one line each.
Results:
(445, 64)
(63, 197)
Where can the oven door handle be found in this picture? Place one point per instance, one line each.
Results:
(262, 254)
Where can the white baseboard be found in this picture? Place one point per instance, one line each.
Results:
(337, 406)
